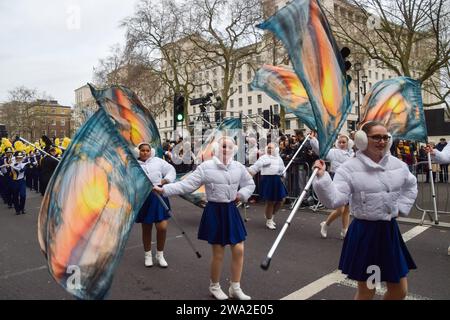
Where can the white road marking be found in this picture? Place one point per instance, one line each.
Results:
(316, 286)
(337, 277)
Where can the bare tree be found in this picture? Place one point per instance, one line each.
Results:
(155, 32)
(16, 112)
(409, 37)
(225, 32)
(131, 70)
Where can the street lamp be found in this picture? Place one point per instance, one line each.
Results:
(358, 68)
(364, 80)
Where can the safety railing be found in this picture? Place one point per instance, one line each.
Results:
(424, 200)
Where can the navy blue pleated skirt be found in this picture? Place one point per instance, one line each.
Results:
(152, 211)
(375, 243)
(222, 224)
(272, 188)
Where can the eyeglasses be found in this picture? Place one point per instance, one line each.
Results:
(379, 137)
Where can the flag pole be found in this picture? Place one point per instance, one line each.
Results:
(266, 262)
(26, 141)
(433, 191)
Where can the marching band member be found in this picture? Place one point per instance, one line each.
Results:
(226, 182)
(271, 189)
(342, 152)
(379, 187)
(152, 212)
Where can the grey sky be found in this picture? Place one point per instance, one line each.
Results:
(43, 47)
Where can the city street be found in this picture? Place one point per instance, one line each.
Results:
(303, 267)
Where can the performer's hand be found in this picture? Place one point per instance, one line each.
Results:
(164, 181)
(158, 190)
(238, 199)
(320, 164)
(429, 149)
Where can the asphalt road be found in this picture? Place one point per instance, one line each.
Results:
(303, 267)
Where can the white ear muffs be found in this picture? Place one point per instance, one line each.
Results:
(361, 140)
(389, 144)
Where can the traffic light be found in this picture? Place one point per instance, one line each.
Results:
(178, 109)
(345, 52)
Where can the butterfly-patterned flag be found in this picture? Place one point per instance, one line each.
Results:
(282, 85)
(397, 103)
(305, 33)
(95, 194)
(230, 127)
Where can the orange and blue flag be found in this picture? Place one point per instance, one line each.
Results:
(282, 85)
(397, 103)
(305, 33)
(94, 195)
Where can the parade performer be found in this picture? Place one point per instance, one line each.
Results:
(18, 182)
(226, 182)
(271, 189)
(379, 188)
(342, 152)
(152, 212)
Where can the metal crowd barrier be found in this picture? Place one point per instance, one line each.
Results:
(424, 200)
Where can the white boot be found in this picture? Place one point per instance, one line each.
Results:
(148, 260)
(160, 259)
(323, 229)
(216, 291)
(270, 224)
(236, 292)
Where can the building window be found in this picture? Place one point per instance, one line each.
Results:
(259, 98)
(171, 122)
(250, 112)
(231, 103)
(44, 132)
(383, 76)
(259, 110)
(63, 122)
(276, 109)
(370, 73)
(249, 75)
(240, 89)
(194, 109)
(53, 122)
(376, 75)
(249, 100)
(240, 77)
(288, 124)
(240, 102)
(165, 123)
(232, 114)
(249, 87)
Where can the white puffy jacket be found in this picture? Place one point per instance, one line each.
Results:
(376, 191)
(442, 156)
(221, 181)
(157, 169)
(268, 165)
(336, 156)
